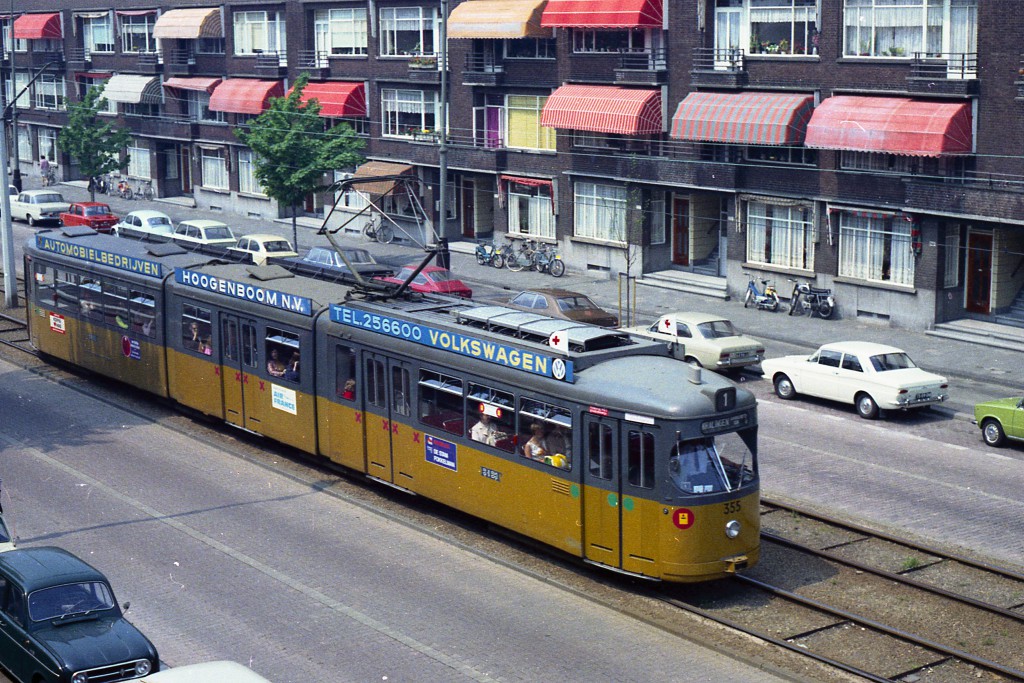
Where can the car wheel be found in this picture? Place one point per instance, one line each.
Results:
(866, 407)
(993, 433)
(31, 221)
(784, 388)
(693, 361)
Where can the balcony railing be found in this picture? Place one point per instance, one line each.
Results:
(271, 60)
(484, 63)
(79, 55)
(719, 59)
(951, 65)
(181, 57)
(644, 60)
(313, 59)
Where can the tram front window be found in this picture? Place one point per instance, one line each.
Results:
(711, 465)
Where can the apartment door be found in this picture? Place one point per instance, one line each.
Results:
(185, 154)
(979, 272)
(680, 231)
(468, 213)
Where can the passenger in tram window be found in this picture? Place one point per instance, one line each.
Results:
(349, 392)
(535, 448)
(274, 366)
(204, 346)
(291, 372)
(558, 442)
(192, 337)
(486, 431)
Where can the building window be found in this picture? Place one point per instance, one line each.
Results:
(600, 211)
(901, 28)
(772, 27)
(783, 155)
(658, 211)
(630, 40)
(138, 161)
(199, 108)
(524, 129)
(341, 31)
(408, 31)
(137, 33)
(98, 34)
(876, 247)
(50, 92)
(952, 248)
(209, 46)
(257, 32)
(47, 142)
(215, 169)
(407, 112)
(530, 48)
(247, 182)
(530, 210)
(780, 235)
(25, 145)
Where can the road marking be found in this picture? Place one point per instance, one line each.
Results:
(261, 567)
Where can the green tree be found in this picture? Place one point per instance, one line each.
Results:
(294, 150)
(92, 140)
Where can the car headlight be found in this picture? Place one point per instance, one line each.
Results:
(732, 528)
(143, 667)
(80, 677)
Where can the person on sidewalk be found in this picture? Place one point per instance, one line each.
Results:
(44, 170)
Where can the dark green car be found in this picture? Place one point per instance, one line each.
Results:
(1000, 420)
(59, 622)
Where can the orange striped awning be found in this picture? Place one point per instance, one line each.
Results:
(385, 171)
(749, 118)
(602, 14)
(338, 99)
(892, 125)
(495, 19)
(189, 23)
(244, 95)
(604, 109)
(206, 85)
(36, 26)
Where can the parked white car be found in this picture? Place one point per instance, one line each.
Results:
(199, 232)
(703, 338)
(260, 246)
(871, 376)
(145, 222)
(206, 672)
(37, 206)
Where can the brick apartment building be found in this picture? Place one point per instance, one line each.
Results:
(873, 146)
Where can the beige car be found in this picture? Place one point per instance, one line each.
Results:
(207, 672)
(200, 232)
(259, 247)
(36, 206)
(703, 338)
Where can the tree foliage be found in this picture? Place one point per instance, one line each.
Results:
(91, 140)
(294, 151)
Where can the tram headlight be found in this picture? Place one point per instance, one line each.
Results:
(732, 528)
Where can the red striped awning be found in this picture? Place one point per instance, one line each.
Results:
(529, 182)
(604, 109)
(244, 95)
(206, 85)
(602, 14)
(337, 99)
(891, 125)
(35, 26)
(750, 118)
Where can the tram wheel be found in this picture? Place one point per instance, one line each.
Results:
(993, 433)
(784, 388)
(866, 407)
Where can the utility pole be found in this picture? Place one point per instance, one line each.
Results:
(442, 151)
(7, 241)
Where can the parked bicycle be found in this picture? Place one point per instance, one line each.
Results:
(124, 189)
(520, 257)
(378, 231)
(765, 299)
(489, 254)
(144, 190)
(546, 259)
(811, 300)
(50, 178)
(98, 184)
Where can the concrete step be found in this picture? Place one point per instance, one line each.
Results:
(1008, 337)
(691, 283)
(1010, 320)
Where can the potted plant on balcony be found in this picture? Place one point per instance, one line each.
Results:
(423, 62)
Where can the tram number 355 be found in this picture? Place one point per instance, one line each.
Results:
(732, 507)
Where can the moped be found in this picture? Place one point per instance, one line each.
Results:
(766, 299)
(811, 300)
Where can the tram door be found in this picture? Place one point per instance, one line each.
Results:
(387, 406)
(237, 359)
(602, 478)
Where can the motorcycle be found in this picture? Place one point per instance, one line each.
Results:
(811, 300)
(489, 254)
(766, 299)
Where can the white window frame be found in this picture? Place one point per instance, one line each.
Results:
(25, 144)
(785, 28)
(139, 161)
(411, 112)
(951, 272)
(341, 32)
(876, 248)
(46, 140)
(884, 28)
(199, 108)
(213, 163)
(137, 33)
(599, 212)
(604, 41)
(780, 235)
(659, 233)
(49, 92)
(257, 31)
(247, 182)
(408, 31)
(530, 210)
(532, 105)
(98, 35)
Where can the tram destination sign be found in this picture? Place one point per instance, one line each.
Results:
(456, 342)
(244, 291)
(131, 264)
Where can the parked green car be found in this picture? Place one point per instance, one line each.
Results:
(1000, 420)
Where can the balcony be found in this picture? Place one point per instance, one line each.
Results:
(483, 69)
(164, 126)
(954, 73)
(273, 64)
(79, 58)
(314, 62)
(48, 58)
(424, 69)
(647, 67)
(718, 67)
(995, 198)
(181, 62)
(149, 62)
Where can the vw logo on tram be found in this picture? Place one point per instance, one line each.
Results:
(558, 368)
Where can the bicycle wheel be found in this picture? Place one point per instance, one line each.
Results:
(370, 231)
(147, 192)
(748, 300)
(557, 267)
(498, 260)
(128, 194)
(385, 235)
(515, 262)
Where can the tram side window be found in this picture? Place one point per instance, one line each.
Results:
(441, 401)
(599, 450)
(90, 294)
(545, 432)
(492, 417)
(345, 372)
(45, 283)
(376, 383)
(400, 386)
(250, 345)
(641, 459)
(115, 304)
(282, 349)
(196, 328)
(142, 307)
(229, 338)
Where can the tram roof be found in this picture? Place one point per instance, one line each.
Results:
(78, 243)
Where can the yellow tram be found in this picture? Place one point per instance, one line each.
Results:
(586, 439)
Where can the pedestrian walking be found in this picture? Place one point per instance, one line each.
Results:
(44, 170)
(16, 179)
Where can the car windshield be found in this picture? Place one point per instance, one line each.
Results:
(576, 302)
(71, 598)
(891, 361)
(355, 256)
(440, 275)
(159, 220)
(219, 233)
(277, 245)
(712, 464)
(53, 198)
(717, 329)
(101, 210)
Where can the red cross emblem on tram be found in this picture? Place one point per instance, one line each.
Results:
(683, 518)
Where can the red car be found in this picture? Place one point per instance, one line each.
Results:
(95, 215)
(433, 279)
